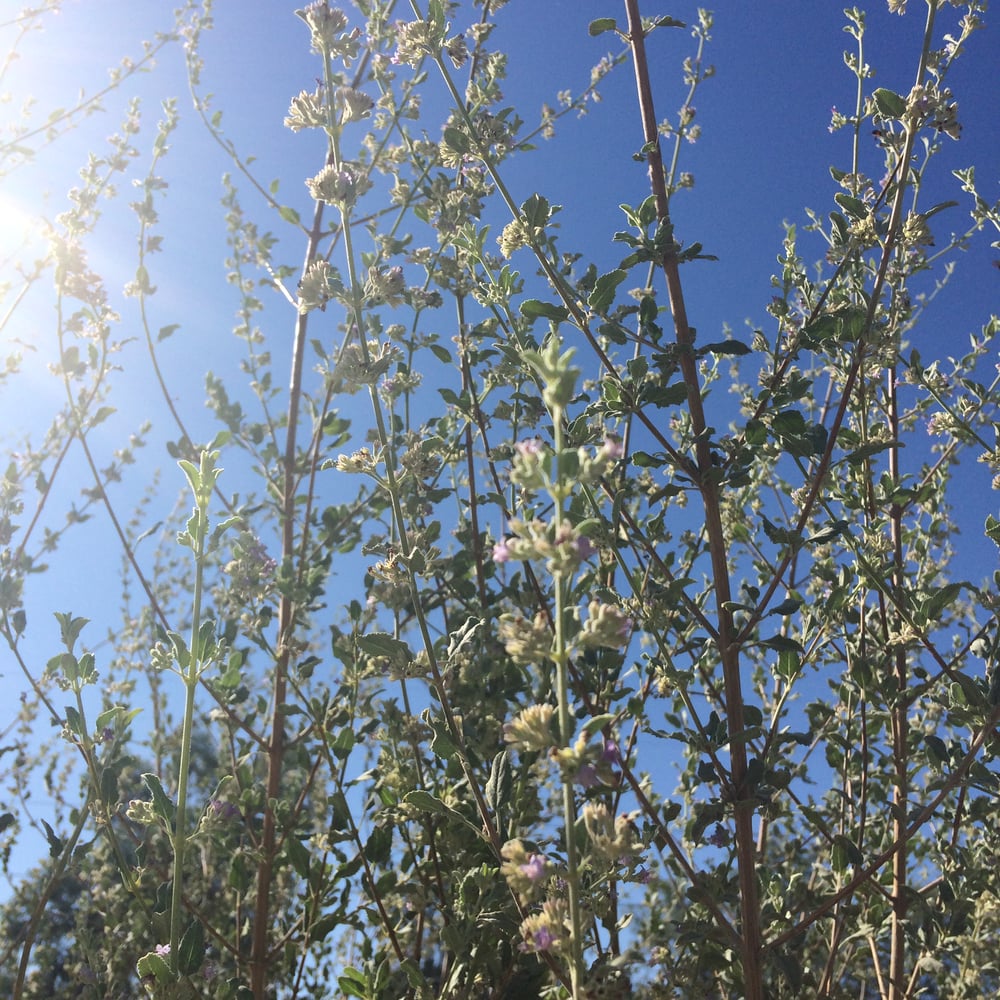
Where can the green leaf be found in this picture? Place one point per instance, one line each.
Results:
(74, 722)
(383, 644)
(931, 608)
(426, 802)
(55, 841)
(854, 207)
(828, 534)
(888, 103)
(993, 529)
(786, 607)
(537, 211)
(167, 331)
(499, 785)
(789, 663)
(457, 140)
(533, 308)
(162, 806)
(379, 845)
(191, 952)
(156, 966)
(782, 643)
(734, 348)
(353, 983)
(601, 25)
(298, 855)
(289, 214)
(603, 295)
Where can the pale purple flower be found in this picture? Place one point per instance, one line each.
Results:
(501, 552)
(613, 447)
(163, 950)
(534, 867)
(542, 939)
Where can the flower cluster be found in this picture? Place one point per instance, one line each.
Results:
(340, 186)
(927, 105)
(588, 764)
(606, 627)
(306, 111)
(533, 465)
(318, 286)
(526, 642)
(355, 367)
(548, 930)
(251, 571)
(526, 871)
(532, 729)
(353, 104)
(563, 549)
(329, 30)
(385, 285)
(415, 40)
(616, 840)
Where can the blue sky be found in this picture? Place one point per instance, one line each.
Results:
(763, 157)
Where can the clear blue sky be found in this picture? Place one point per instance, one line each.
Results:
(763, 157)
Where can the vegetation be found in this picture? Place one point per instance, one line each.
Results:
(511, 639)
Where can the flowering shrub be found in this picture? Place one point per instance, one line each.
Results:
(517, 657)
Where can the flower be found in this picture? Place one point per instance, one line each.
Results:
(163, 950)
(534, 868)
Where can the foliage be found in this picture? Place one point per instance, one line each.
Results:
(530, 644)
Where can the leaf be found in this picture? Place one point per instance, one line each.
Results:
(537, 211)
(828, 534)
(298, 855)
(931, 608)
(167, 331)
(156, 966)
(55, 841)
(601, 25)
(191, 952)
(787, 607)
(603, 295)
(859, 455)
(789, 664)
(782, 643)
(499, 785)
(993, 529)
(289, 214)
(533, 308)
(735, 348)
(888, 103)
(426, 802)
(854, 207)
(379, 845)
(353, 983)
(457, 140)
(162, 806)
(383, 644)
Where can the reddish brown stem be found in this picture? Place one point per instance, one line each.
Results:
(729, 651)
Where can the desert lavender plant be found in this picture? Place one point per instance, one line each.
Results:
(645, 689)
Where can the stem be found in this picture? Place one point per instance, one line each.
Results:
(729, 650)
(561, 656)
(286, 624)
(190, 678)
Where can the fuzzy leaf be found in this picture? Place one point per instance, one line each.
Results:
(191, 952)
(601, 25)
